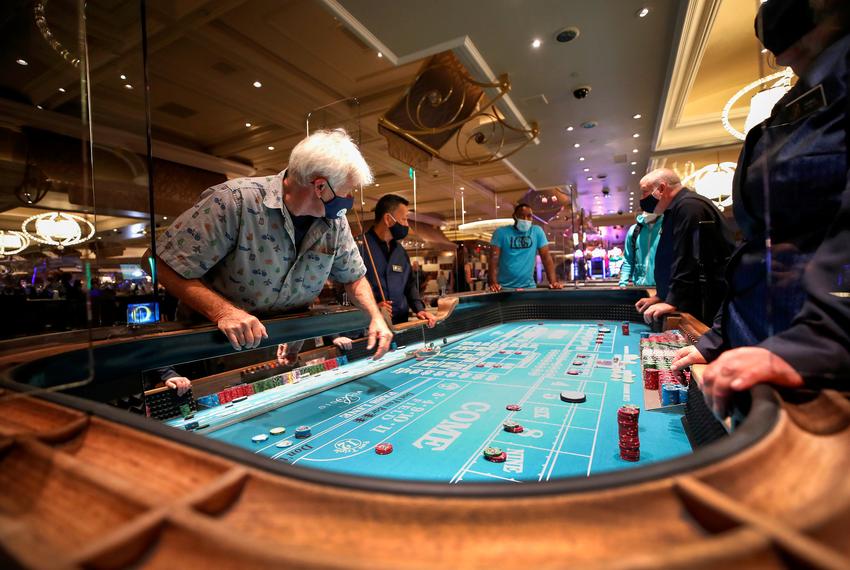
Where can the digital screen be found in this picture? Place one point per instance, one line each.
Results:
(142, 313)
(131, 271)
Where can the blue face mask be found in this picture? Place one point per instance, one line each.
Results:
(337, 206)
(523, 225)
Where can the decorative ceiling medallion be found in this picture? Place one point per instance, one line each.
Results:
(58, 228)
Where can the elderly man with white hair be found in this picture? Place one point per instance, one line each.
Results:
(267, 245)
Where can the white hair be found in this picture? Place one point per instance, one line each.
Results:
(329, 154)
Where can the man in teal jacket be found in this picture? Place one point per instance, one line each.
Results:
(639, 255)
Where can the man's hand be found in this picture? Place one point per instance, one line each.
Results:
(495, 287)
(426, 316)
(686, 356)
(243, 330)
(555, 285)
(342, 343)
(379, 334)
(286, 355)
(741, 369)
(656, 311)
(646, 302)
(179, 383)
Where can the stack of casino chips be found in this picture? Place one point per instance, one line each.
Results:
(627, 419)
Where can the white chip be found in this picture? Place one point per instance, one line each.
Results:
(277, 430)
(573, 396)
(284, 443)
(260, 437)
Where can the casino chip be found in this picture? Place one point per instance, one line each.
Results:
(573, 372)
(384, 448)
(512, 426)
(513, 407)
(573, 396)
(284, 443)
(492, 451)
(260, 437)
(277, 430)
(302, 432)
(501, 458)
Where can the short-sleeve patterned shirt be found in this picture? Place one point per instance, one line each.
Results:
(239, 239)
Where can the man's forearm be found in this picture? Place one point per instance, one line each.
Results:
(193, 292)
(494, 268)
(360, 293)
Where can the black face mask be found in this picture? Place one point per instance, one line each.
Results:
(648, 204)
(398, 231)
(781, 23)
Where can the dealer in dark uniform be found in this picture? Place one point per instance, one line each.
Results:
(693, 247)
(787, 317)
(387, 263)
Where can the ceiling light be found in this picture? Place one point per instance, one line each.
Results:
(636, 135)
(587, 170)
(165, 217)
(633, 172)
(570, 128)
(128, 87)
(634, 150)
(61, 90)
(257, 84)
(763, 50)
(248, 125)
(631, 193)
(58, 228)
(12, 242)
(377, 184)
(22, 62)
(637, 116)
(581, 159)
(633, 163)
(123, 77)
(589, 178)
(577, 145)
(380, 54)
(461, 187)
(643, 13)
(39, 107)
(536, 43)
(271, 148)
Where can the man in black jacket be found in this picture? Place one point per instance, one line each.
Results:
(388, 269)
(786, 320)
(694, 245)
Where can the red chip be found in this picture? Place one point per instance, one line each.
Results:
(513, 407)
(384, 448)
(498, 458)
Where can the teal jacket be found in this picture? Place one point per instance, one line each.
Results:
(639, 254)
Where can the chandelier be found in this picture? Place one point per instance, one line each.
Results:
(714, 182)
(761, 104)
(58, 228)
(12, 242)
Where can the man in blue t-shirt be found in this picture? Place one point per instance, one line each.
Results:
(515, 249)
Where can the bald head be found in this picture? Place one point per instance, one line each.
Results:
(663, 184)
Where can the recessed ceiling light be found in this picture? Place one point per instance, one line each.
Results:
(636, 136)
(61, 90)
(581, 159)
(22, 62)
(643, 13)
(257, 84)
(576, 145)
(536, 43)
(377, 184)
(590, 178)
(127, 86)
(763, 50)
(271, 148)
(570, 128)
(248, 125)
(587, 170)
(461, 187)
(634, 150)
(165, 217)
(637, 116)
(633, 172)
(631, 193)
(633, 163)
(39, 107)
(380, 54)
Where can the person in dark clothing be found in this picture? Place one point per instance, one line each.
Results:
(692, 251)
(786, 320)
(388, 267)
